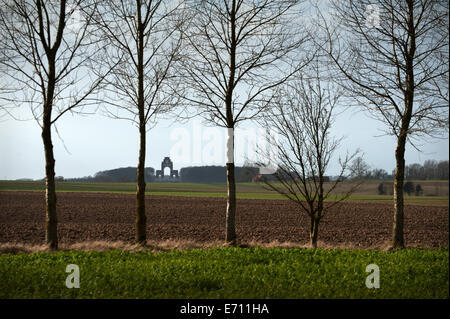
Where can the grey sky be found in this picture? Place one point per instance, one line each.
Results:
(97, 143)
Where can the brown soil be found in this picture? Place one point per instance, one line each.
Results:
(110, 217)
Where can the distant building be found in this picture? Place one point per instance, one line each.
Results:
(263, 177)
(316, 178)
(169, 164)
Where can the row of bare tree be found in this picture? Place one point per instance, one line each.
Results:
(285, 63)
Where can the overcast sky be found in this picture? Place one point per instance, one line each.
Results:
(95, 143)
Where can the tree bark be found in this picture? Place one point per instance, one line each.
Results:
(51, 231)
(141, 218)
(397, 231)
(231, 206)
(314, 232)
(230, 232)
(51, 220)
(398, 240)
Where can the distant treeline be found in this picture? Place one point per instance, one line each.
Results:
(123, 174)
(430, 169)
(198, 174)
(216, 174)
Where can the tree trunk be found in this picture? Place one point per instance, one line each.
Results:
(231, 206)
(397, 231)
(141, 218)
(314, 232)
(51, 222)
(230, 232)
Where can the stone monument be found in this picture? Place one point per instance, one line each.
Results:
(167, 163)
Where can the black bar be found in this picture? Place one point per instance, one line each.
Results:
(222, 308)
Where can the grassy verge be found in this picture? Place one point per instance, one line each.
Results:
(228, 273)
(244, 191)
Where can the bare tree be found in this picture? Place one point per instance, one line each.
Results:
(392, 58)
(379, 173)
(239, 51)
(302, 115)
(359, 169)
(142, 38)
(47, 57)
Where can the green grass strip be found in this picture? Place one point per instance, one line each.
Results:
(228, 273)
(245, 191)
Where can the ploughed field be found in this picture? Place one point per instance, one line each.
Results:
(111, 217)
